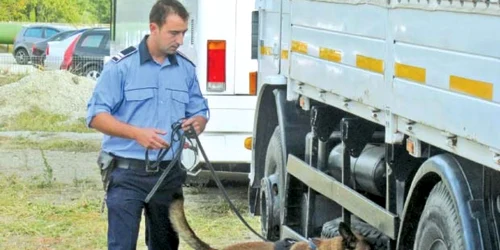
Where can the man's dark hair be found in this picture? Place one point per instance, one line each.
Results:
(163, 8)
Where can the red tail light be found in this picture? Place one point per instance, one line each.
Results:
(47, 50)
(32, 48)
(68, 54)
(216, 65)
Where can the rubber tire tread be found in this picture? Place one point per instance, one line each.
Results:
(441, 203)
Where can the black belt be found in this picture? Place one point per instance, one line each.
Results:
(126, 163)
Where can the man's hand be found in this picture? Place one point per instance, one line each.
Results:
(149, 138)
(198, 123)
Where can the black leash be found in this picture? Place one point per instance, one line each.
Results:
(182, 137)
(176, 131)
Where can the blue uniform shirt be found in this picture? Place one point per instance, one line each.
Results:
(138, 91)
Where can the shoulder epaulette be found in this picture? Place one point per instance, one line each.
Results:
(124, 53)
(187, 58)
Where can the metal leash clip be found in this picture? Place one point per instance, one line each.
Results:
(151, 169)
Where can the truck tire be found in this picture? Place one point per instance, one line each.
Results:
(271, 191)
(439, 226)
(376, 239)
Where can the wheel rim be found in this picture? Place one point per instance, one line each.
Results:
(93, 74)
(270, 207)
(21, 55)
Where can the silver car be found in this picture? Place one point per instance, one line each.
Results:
(32, 34)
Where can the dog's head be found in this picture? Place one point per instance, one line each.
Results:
(347, 240)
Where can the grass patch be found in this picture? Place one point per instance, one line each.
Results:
(68, 217)
(50, 144)
(10, 78)
(50, 217)
(36, 119)
(223, 228)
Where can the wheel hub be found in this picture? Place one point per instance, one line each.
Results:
(94, 74)
(270, 207)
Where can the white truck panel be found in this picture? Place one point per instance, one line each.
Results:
(269, 34)
(436, 71)
(447, 30)
(471, 118)
(234, 118)
(351, 83)
(243, 52)
(217, 22)
(347, 46)
(348, 18)
(220, 148)
(285, 42)
(440, 65)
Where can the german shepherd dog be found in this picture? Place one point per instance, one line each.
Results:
(346, 241)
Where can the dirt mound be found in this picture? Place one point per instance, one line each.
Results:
(58, 92)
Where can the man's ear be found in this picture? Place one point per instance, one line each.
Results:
(153, 28)
(346, 233)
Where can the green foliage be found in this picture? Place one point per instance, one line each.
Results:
(57, 11)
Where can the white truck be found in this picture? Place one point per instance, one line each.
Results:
(381, 113)
(219, 43)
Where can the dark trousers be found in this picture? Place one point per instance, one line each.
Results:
(125, 201)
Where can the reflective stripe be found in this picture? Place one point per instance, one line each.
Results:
(369, 63)
(299, 47)
(330, 54)
(284, 54)
(413, 73)
(267, 51)
(472, 87)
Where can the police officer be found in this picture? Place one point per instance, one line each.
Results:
(141, 92)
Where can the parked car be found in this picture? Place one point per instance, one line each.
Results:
(85, 56)
(54, 53)
(31, 34)
(39, 49)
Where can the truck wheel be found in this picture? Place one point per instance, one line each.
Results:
(439, 226)
(22, 56)
(272, 188)
(376, 239)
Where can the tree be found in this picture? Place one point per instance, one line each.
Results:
(12, 10)
(60, 11)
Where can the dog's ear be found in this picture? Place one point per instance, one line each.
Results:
(316, 241)
(347, 234)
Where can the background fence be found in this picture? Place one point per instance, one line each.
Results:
(88, 66)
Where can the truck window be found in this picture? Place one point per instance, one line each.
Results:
(255, 34)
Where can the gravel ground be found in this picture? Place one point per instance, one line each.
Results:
(58, 92)
(67, 167)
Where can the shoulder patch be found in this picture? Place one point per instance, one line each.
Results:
(186, 58)
(124, 53)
